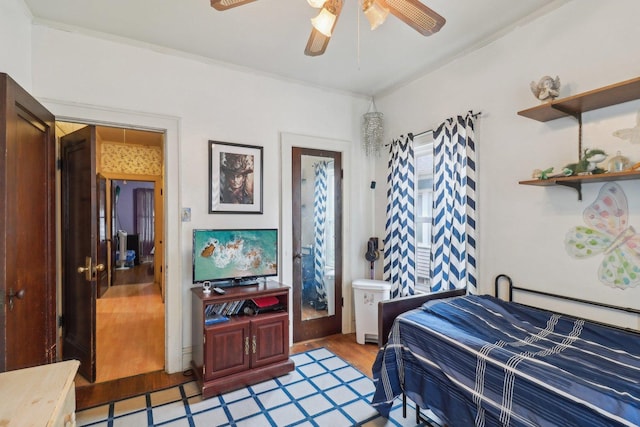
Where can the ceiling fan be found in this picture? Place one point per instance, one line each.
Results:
(411, 12)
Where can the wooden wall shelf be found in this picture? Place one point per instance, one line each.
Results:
(618, 93)
(576, 182)
(574, 106)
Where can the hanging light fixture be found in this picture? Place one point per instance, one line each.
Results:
(375, 11)
(372, 131)
(325, 20)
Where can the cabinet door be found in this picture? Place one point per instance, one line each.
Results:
(269, 339)
(227, 349)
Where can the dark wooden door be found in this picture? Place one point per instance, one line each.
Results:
(317, 291)
(79, 248)
(27, 230)
(103, 237)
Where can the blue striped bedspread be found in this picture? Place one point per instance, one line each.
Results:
(477, 360)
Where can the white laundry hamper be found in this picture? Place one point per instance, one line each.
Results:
(366, 295)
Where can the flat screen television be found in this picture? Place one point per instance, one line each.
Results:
(234, 257)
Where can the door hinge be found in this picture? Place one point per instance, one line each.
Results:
(61, 321)
(59, 164)
(342, 302)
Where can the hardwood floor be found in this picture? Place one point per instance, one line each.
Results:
(129, 332)
(309, 312)
(130, 346)
(90, 395)
(343, 345)
(141, 273)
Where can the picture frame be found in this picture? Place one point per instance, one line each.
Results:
(235, 178)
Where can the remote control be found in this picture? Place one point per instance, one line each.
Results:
(219, 290)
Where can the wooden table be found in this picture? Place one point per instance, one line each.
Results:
(39, 396)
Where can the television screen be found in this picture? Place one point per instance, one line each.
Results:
(234, 257)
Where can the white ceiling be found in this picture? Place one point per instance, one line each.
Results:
(270, 35)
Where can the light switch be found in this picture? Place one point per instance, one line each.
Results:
(186, 214)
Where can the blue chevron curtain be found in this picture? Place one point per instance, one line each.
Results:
(319, 221)
(399, 240)
(453, 246)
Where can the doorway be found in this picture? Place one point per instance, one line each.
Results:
(316, 243)
(129, 311)
(133, 231)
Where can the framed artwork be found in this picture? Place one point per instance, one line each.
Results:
(235, 178)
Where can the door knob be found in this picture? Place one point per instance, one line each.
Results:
(17, 295)
(89, 269)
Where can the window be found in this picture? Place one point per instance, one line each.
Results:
(423, 152)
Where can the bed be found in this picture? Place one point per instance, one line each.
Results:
(478, 360)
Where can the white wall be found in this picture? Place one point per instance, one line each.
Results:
(15, 41)
(589, 44)
(209, 102)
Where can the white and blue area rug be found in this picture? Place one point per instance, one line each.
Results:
(323, 390)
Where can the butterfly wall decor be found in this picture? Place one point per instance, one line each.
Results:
(608, 233)
(632, 134)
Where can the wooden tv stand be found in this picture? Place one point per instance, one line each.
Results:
(244, 350)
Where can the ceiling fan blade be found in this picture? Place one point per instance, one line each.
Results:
(318, 42)
(416, 15)
(228, 4)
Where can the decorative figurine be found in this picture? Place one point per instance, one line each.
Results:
(541, 174)
(619, 163)
(547, 89)
(546, 173)
(594, 159)
(588, 162)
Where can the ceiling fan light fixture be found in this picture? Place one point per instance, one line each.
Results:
(317, 4)
(375, 12)
(318, 42)
(324, 22)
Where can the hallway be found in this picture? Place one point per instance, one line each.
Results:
(129, 332)
(141, 273)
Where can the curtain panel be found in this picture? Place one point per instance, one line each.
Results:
(144, 221)
(399, 240)
(453, 241)
(319, 225)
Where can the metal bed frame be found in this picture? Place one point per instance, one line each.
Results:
(390, 309)
(565, 298)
